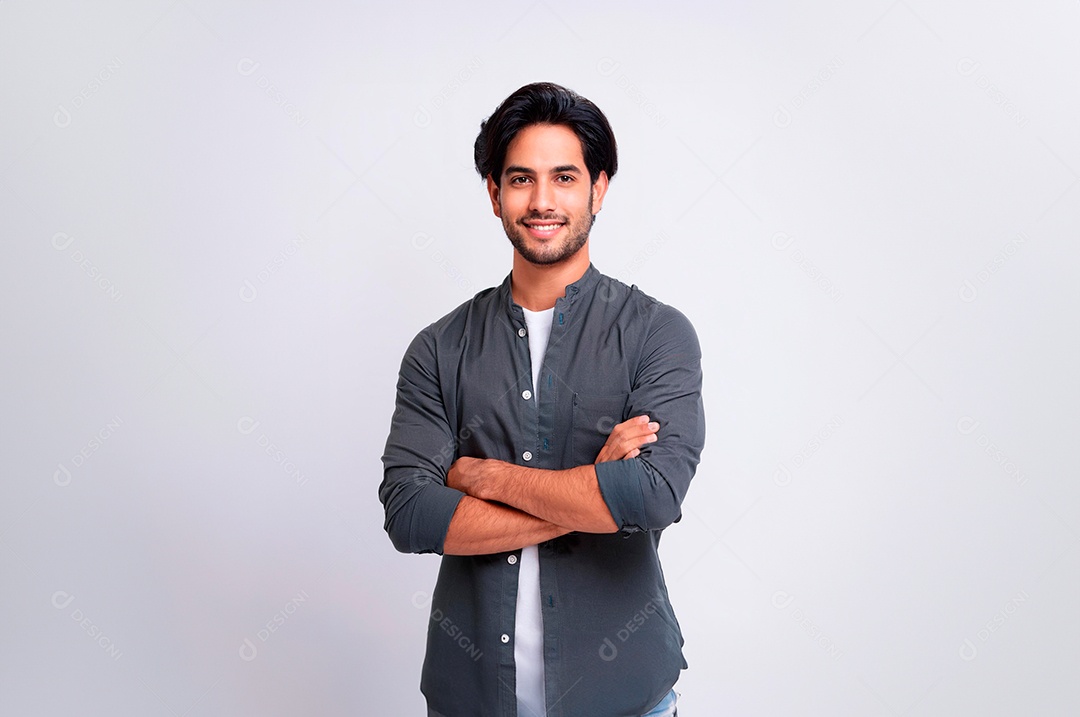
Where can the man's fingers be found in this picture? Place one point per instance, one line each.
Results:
(633, 430)
(627, 438)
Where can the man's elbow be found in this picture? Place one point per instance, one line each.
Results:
(663, 514)
(418, 518)
(406, 540)
(664, 496)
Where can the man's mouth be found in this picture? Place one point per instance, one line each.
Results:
(544, 230)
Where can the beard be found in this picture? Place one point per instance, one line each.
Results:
(548, 253)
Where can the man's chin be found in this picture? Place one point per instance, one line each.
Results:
(543, 260)
(556, 256)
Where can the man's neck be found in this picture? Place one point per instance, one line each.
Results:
(537, 288)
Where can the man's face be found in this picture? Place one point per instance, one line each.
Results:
(545, 200)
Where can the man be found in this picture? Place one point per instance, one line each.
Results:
(545, 433)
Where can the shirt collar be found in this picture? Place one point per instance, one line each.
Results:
(580, 288)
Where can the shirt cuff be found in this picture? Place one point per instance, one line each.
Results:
(620, 485)
(430, 521)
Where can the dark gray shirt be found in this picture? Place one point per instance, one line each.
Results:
(612, 645)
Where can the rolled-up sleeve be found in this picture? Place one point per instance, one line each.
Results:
(419, 452)
(646, 492)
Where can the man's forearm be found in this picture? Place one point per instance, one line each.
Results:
(570, 498)
(480, 527)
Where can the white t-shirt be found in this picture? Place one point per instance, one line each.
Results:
(528, 622)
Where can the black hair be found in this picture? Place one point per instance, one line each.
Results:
(546, 103)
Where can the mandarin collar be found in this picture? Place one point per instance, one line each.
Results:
(576, 290)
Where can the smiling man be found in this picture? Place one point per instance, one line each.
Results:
(545, 434)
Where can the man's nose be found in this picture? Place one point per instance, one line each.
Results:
(543, 198)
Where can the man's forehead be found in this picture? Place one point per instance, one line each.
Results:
(545, 148)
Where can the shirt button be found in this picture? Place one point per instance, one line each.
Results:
(522, 332)
(512, 559)
(505, 638)
(527, 455)
(526, 394)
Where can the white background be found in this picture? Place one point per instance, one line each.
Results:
(222, 224)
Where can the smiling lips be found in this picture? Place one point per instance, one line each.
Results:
(544, 230)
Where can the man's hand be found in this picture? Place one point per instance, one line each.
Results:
(627, 438)
(558, 501)
(625, 441)
(466, 475)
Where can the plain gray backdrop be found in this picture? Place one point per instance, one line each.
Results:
(223, 223)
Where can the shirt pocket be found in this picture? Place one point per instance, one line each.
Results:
(594, 417)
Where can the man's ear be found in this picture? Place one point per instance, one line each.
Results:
(599, 190)
(493, 194)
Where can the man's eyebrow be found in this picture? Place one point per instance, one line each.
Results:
(561, 169)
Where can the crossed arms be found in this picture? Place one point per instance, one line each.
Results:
(507, 506)
(637, 481)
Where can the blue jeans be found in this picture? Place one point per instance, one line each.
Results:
(666, 708)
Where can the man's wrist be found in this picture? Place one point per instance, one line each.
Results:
(490, 475)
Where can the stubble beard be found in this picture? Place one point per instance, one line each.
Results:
(546, 256)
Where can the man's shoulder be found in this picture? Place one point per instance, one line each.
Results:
(630, 299)
(454, 323)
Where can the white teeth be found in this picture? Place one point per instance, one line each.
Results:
(546, 227)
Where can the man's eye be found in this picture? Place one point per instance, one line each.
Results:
(565, 178)
(519, 180)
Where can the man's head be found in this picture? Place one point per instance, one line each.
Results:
(547, 155)
(546, 103)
